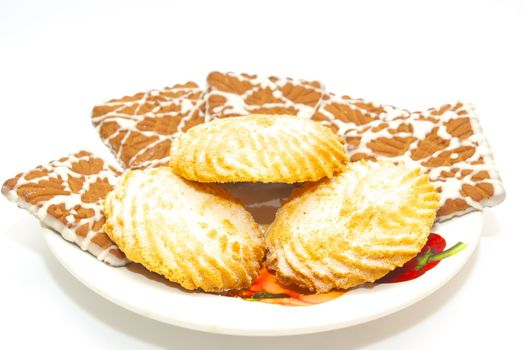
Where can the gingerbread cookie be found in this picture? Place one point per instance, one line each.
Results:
(344, 112)
(66, 195)
(138, 129)
(447, 143)
(233, 94)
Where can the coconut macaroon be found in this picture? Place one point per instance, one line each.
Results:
(193, 234)
(353, 228)
(258, 148)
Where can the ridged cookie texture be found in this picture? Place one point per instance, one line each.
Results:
(353, 228)
(193, 234)
(258, 148)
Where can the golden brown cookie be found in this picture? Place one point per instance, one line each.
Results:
(258, 148)
(66, 195)
(193, 234)
(353, 228)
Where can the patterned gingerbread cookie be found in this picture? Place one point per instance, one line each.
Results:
(233, 94)
(66, 195)
(138, 129)
(343, 112)
(447, 143)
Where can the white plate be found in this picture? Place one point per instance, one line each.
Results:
(151, 296)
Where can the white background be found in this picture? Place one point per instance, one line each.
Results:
(58, 59)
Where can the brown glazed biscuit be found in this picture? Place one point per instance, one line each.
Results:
(353, 228)
(233, 95)
(138, 129)
(66, 195)
(342, 112)
(194, 234)
(258, 148)
(446, 142)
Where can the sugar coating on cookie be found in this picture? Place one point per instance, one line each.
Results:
(258, 148)
(66, 195)
(353, 228)
(193, 234)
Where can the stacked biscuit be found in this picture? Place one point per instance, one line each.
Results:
(360, 222)
(345, 223)
(175, 222)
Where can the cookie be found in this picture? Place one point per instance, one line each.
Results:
(66, 195)
(341, 113)
(258, 148)
(446, 142)
(354, 228)
(138, 129)
(193, 234)
(232, 95)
